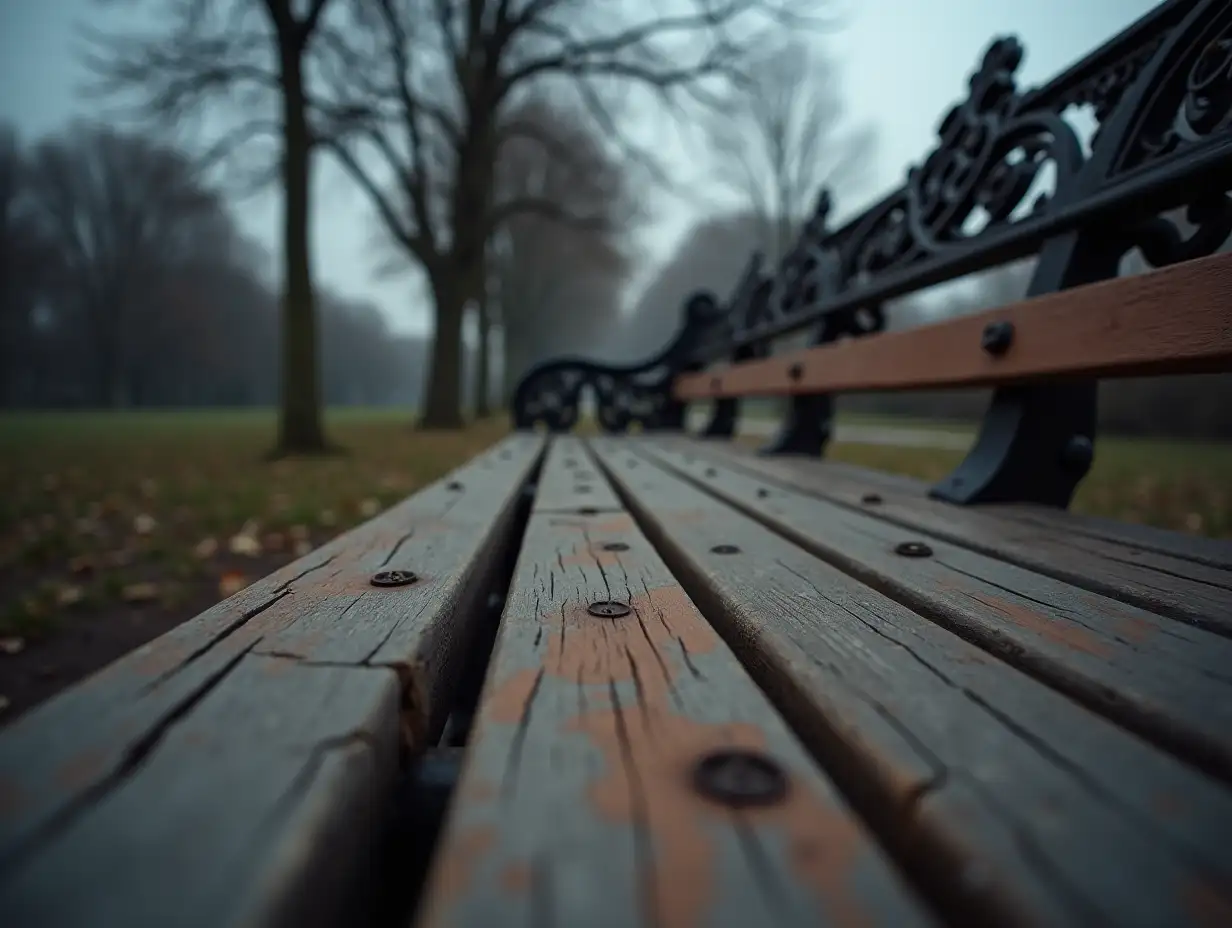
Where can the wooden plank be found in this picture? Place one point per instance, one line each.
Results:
(1189, 589)
(1169, 321)
(1015, 804)
(576, 805)
(1167, 681)
(570, 483)
(165, 732)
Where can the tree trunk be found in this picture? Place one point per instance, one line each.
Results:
(299, 412)
(483, 359)
(443, 403)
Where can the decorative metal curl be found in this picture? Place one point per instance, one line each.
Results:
(550, 393)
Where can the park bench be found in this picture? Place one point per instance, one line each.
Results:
(662, 679)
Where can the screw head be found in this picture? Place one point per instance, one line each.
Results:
(711, 472)
(588, 511)
(393, 578)
(740, 778)
(724, 549)
(615, 546)
(796, 371)
(913, 549)
(871, 499)
(762, 492)
(453, 485)
(608, 609)
(997, 337)
(1078, 454)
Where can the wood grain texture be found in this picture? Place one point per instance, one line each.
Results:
(570, 483)
(1169, 321)
(177, 726)
(575, 806)
(1168, 681)
(1020, 806)
(1186, 582)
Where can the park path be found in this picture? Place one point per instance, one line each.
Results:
(851, 433)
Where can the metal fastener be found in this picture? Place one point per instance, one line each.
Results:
(997, 337)
(711, 472)
(913, 549)
(871, 499)
(1078, 454)
(615, 546)
(393, 578)
(796, 371)
(453, 485)
(740, 778)
(588, 511)
(609, 609)
(762, 492)
(724, 549)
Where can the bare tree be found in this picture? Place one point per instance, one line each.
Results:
(418, 89)
(245, 64)
(783, 136)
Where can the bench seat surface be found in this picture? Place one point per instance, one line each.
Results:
(1022, 717)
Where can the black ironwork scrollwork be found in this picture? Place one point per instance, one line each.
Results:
(550, 394)
(1189, 102)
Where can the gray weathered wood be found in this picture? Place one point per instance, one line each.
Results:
(575, 805)
(1193, 590)
(177, 726)
(1017, 804)
(569, 481)
(1169, 681)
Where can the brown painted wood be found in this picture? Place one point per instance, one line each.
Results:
(570, 482)
(1017, 804)
(1173, 320)
(1170, 682)
(1185, 583)
(225, 772)
(576, 805)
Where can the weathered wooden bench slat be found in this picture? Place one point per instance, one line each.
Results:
(1086, 644)
(227, 772)
(1171, 320)
(568, 483)
(576, 804)
(1018, 805)
(1186, 588)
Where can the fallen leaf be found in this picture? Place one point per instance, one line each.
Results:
(149, 488)
(231, 583)
(68, 595)
(274, 541)
(139, 592)
(144, 524)
(298, 532)
(302, 547)
(13, 645)
(327, 517)
(244, 545)
(120, 557)
(369, 507)
(206, 548)
(1193, 521)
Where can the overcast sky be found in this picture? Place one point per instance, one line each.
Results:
(903, 63)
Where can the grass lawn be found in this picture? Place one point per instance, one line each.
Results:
(116, 527)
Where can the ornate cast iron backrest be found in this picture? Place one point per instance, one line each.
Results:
(1159, 94)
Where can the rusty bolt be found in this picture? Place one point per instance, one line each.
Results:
(740, 778)
(393, 578)
(608, 609)
(997, 337)
(615, 546)
(871, 499)
(796, 371)
(913, 549)
(724, 549)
